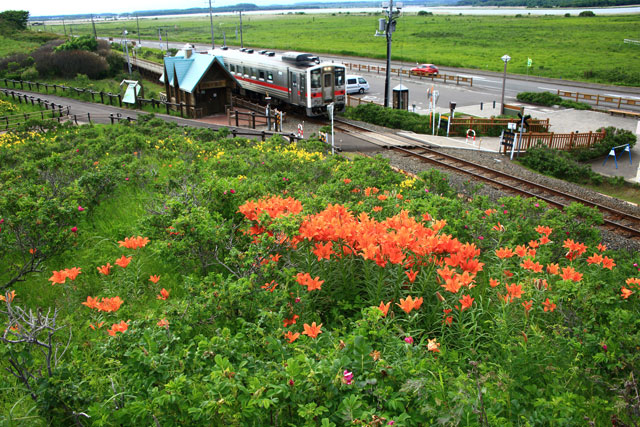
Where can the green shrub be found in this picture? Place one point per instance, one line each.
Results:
(587, 13)
(79, 43)
(549, 99)
(558, 164)
(395, 119)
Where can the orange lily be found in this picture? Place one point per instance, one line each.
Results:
(466, 302)
(323, 251)
(163, 323)
(408, 304)
(626, 293)
(72, 273)
(164, 294)
(91, 302)
(384, 308)
(608, 263)
(123, 261)
(10, 296)
(293, 336)
(58, 277)
(105, 269)
(313, 330)
(433, 346)
(411, 275)
(291, 321)
(548, 305)
(154, 279)
(118, 327)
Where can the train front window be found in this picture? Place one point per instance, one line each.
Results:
(315, 79)
(327, 80)
(339, 77)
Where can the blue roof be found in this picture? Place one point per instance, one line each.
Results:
(189, 71)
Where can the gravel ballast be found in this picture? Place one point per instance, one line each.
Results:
(503, 164)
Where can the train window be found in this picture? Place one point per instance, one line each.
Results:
(253, 73)
(303, 84)
(327, 80)
(315, 79)
(261, 75)
(294, 79)
(339, 76)
(232, 68)
(245, 71)
(269, 75)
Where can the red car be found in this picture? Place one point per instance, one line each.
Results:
(425, 70)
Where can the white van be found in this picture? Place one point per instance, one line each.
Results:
(357, 84)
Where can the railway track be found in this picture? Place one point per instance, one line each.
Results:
(615, 220)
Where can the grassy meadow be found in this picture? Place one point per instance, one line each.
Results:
(199, 279)
(578, 48)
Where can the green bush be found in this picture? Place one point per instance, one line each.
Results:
(549, 99)
(395, 119)
(79, 43)
(560, 165)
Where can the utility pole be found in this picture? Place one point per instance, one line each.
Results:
(505, 58)
(95, 35)
(64, 28)
(138, 23)
(213, 45)
(386, 27)
(166, 36)
(126, 49)
(241, 43)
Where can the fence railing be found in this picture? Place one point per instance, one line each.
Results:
(598, 99)
(407, 72)
(560, 141)
(51, 111)
(460, 125)
(113, 99)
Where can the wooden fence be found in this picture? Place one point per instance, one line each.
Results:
(444, 78)
(561, 141)
(182, 108)
(460, 125)
(598, 99)
(50, 111)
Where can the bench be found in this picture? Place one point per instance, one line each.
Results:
(624, 113)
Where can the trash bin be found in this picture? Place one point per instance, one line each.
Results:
(401, 97)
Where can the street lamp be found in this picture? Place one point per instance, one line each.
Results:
(330, 111)
(213, 46)
(386, 27)
(126, 49)
(505, 58)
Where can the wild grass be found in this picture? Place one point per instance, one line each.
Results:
(585, 49)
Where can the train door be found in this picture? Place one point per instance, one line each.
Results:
(295, 94)
(328, 84)
(303, 89)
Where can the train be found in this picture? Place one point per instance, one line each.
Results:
(292, 79)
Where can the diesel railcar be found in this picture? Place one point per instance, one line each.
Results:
(297, 79)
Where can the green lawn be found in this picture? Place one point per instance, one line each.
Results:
(589, 49)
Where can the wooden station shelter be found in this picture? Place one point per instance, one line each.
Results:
(200, 81)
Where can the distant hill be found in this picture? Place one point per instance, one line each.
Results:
(548, 3)
(245, 7)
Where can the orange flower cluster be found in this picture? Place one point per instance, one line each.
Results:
(106, 304)
(105, 269)
(164, 294)
(631, 282)
(453, 281)
(61, 276)
(304, 279)
(599, 259)
(408, 304)
(134, 242)
(274, 207)
(569, 273)
(384, 242)
(575, 249)
(9, 296)
(123, 261)
(118, 327)
(163, 323)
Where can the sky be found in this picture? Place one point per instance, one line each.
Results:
(65, 7)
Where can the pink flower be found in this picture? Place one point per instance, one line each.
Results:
(505, 212)
(604, 347)
(426, 190)
(297, 299)
(74, 229)
(537, 205)
(80, 208)
(390, 423)
(480, 238)
(408, 340)
(232, 191)
(291, 383)
(126, 179)
(347, 377)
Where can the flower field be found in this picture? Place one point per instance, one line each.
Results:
(156, 275)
